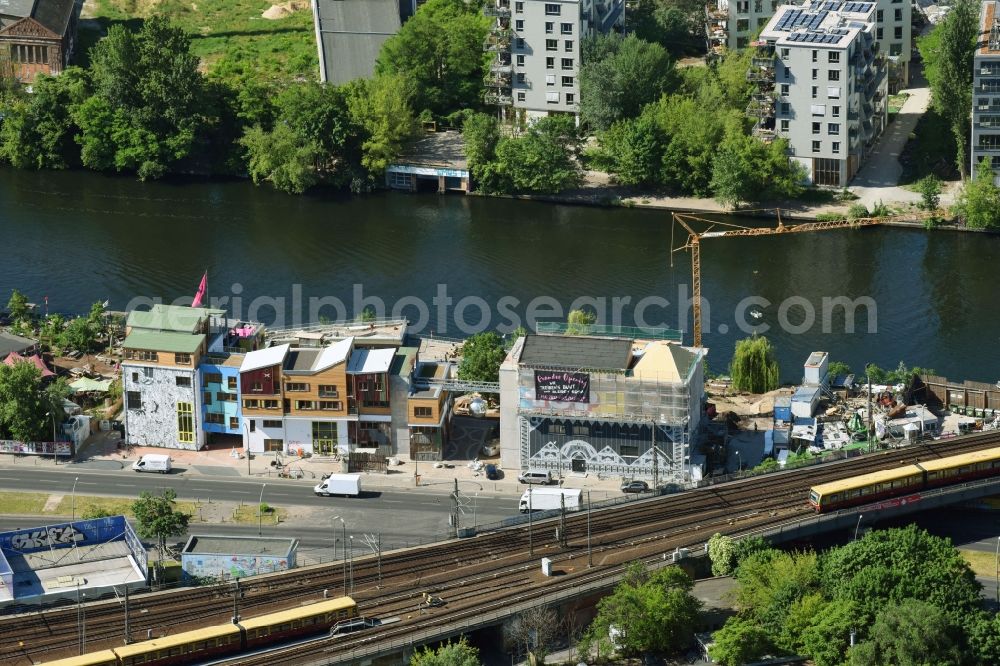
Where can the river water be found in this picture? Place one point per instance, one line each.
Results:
(448, 262)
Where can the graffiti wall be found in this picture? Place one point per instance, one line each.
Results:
(233, 566)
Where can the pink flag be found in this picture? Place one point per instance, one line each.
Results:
(196, 303)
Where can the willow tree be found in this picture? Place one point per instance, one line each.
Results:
(754, 368)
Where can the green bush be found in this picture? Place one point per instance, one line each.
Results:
(857, 211)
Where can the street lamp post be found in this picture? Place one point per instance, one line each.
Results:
(260, 502)
(247, 429)
(860, 516)
(739, 461)
(74, 497)
(344, 527)
(351, 565)
(55, 455)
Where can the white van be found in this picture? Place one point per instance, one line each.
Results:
(348, 485)
(152, 463)
(544, 477)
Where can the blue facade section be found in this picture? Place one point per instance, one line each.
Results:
(221, 410)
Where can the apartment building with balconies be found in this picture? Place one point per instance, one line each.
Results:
(821, 83)
(986, 92)
(536, 45)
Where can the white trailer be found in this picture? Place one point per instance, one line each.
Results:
(546, 499)
(348, 485)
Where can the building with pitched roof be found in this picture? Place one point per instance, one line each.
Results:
(38, 36)
(604, 405)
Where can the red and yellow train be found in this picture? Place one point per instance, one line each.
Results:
(876, 486)
(223, 639)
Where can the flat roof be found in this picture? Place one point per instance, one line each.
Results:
(232, 545)
(178, 318)
(567, 351)
(440, 150)
(165, 341)
(403, 361)
(987, 18)
(57, 571)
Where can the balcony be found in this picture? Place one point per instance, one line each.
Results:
(499, 41)
(497, 10)
(498, 98)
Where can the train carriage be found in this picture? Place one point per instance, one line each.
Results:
(183, 648)
(102, 658)
(866, 488)
(302, 621)
(964, 467)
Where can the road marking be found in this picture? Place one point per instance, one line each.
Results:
(89, 483)
(10, 478)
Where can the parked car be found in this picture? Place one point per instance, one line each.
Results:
(544, 478)
(493, 473)
(635, 487)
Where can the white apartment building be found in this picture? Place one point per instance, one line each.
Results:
(733, 24)
(986, 91)
(822, 86)
(536, 68)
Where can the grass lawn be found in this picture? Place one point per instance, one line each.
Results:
(247, 513)
(982, 563)
(931, 149)
(22, 503)
(229, 36)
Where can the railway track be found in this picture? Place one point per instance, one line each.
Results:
(456, 567)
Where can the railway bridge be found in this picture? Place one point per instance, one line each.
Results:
(488, 577)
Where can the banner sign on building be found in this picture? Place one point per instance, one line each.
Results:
(562, 386)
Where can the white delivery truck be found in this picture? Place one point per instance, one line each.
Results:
(348, 485)
(546, 499)
(152, 462)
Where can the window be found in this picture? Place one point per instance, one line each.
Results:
(269, 404)
(522, 78)
(552, 98)
(331, 405)
(133, 399)
(234, 423)
(550, 79)
(833, 92)
(897, 15)
(815, 55)
(784, 53)
(550, 27)
(182, 380)
(628, 450)
(519, 7)
(566, 63)
(815, 92)
(557, 429)
(816, 146)
(213, 378)
(878, 16)
(251, 403)
(833, 129)
(784, 124)
(328, 391)
(815, 74)
(835, 111)
(225, 397)
(141, 355)
(786, 108)
(826, 171)
(520, 61)
(550, 63)
(274, 445)
(897, 32)
(519, 43)
(833, 75)
(519, 25)
(816, 128)
(784, 89)
(422, 412)
(305, 405)
(742, 25)
(742, 42)
(324, 436)
(758, 6)
(231, 383)
(818, 109)
(762, 21)
(568, 46)
(207, 397)
(835, 147)
(270, 423)
(185, 422)
(566, 28)
(878, 33)
(570, 98)
(551, 44)
(567, 81)
(213, 418)
(253, 425)
(787, 73)
(296, 386)
(182, 359)
(895, 49)
(553, 10)
(833, 57)
(521, 96)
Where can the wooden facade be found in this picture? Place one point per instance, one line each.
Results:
(416, 409)
(325, 391)
(261, 392)
(37, 37)
(164, 359)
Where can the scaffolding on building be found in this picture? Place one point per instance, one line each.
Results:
(761, 108)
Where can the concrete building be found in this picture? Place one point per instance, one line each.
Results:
(607, 405)
(821, 83)
(226, 557)
(986, 92)
(732, 24)
(536, 44)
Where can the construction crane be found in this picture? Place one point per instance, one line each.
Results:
(719, 229)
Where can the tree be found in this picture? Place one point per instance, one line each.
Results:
(746, 169)
(79, 334)
(282, 158)
(536, 629)
(740, 641)
(726, 553)
(979, 202)
(677, 25)
(441, 49)
(482, 355)
(146, 114)
(635, 147)
(23, 406)
(38, 132)
(52, 328)
(948, 56)
(695, 129)
(449, 654)
(619, 75)
(17, 306)
(578, 322)
(827, 638)
(481, 134)
(910, 633)
(646, 613)
(838, 369)
(754, 368)
(157, 517)
(543, 159)
(929, 188)
(382, 106)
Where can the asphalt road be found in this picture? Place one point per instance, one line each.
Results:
(402, 517)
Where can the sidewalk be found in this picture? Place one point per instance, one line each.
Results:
(101, 452)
